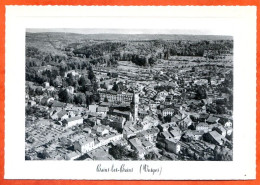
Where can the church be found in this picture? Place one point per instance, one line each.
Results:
(134, 106)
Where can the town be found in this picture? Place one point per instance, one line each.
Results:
(95, 97)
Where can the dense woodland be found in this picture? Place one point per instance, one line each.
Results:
(45, 66)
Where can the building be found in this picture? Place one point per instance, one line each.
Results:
(70, 89)
(212, 119)
(72, 155)
(102, 131)
(149, 134)
(93, 108)
(137, 145)
(165, 127)
(214, 137)
(175, 132)
(84, 144)
(221, 130)
(114, 122)
(134, 106)
(126, 114)
(102, 110)
(168, 111)
(46, 84)
(202, 127)
(168, 142)
(72, 121)
(113, 96)
(191, 135)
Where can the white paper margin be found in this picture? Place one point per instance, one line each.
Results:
(238, 21)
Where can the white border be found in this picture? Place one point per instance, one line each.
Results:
(239, 21)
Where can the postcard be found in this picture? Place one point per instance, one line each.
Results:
(130, 93)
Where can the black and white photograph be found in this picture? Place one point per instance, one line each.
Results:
(112, 96)
(130, 93)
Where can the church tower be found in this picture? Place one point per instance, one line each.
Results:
(134, 106)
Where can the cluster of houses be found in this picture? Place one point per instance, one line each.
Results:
(144, 118)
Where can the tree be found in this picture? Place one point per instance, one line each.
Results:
(65, 96)
(70, 80)
(91, 74)
(201, 93)
(134, 155)
(118, 151)
(44, 154)
(104, 86)
(83, 80)
(220, 109)
(150, 156)
(39, 91)
(80, 98)
(167, 118)
(95, 86)
(115, 87)
(96, 97)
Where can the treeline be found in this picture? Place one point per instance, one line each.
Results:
(72, 89)
(78, 98)
(97, 50)
(36, 58)
(140, 60)
(198, 48)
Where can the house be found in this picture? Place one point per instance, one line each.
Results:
(137, 145)
(62, 115)
(214, 137)
(229, 130)
(93, 108)
(227, 123)
(31, 103)
(55, 103)
(72, 155)
(70, 89)
(202, 127)
(191, 135)
(146, 144)
(102, 110)
(46, 84)
(168, 111)
(84, 144)
(175, 132)
(212, 119)
(165, 127)
(121, 142)
(110, 137)
(221, 130)
(69, 122)
(160, 97)
(126, 114)
(73, 73)
(129, 131)
(142, 113)
(114, 121)
(185, 122)
(149, 121)
(169, 143)
(46, 100)
(149, 135)
(172, 145)
(203, 117)
(100, 154)
(101, 131)
(87, 130)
